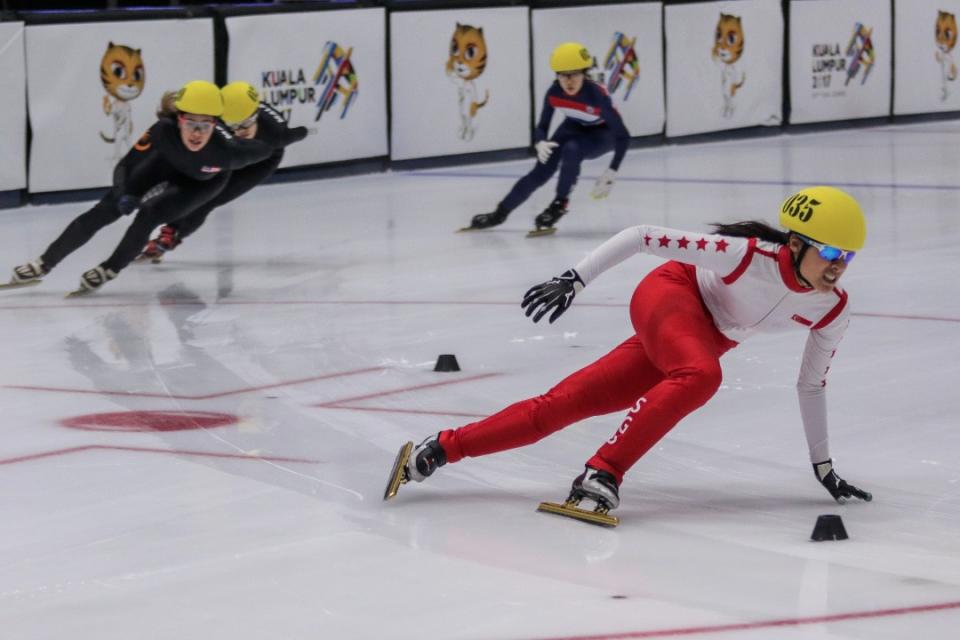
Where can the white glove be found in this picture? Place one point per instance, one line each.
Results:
(544, 150)
(601, 188)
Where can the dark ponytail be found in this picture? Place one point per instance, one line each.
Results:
(752, 229)
(167, 107)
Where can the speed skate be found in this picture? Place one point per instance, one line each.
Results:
(570, 509)
(19, 285)
(541, 231)
(398, 475)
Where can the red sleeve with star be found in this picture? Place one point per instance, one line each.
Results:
(722, 254)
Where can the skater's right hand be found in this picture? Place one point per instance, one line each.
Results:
(127, 204)
(556, 294)
(544, 150)
(839, 488)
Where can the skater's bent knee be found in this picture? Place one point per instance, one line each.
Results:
(701, 379)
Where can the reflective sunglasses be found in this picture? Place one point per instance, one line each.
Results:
(243, 125)
(195, 126)
(827, 252)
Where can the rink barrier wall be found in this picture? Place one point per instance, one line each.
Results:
(13, 108)
(924, 76)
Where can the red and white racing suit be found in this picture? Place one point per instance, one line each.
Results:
(715, 292)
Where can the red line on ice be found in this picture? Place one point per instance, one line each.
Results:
(179, 452)
(765, 624)
(333, 404)
(207, 396)
(147, 303)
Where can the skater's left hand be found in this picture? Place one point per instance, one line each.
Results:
(127, 204)
(556, 294)
(603, 185)
(839, 488)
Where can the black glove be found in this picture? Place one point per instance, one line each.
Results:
(127, 204)
(556, 294)
(837, 486)
(295, 134)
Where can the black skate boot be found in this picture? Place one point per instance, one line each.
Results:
(487, 220)
(595, 485)
(93, 279)
(28, 274)
(415, 464)
(546, 221)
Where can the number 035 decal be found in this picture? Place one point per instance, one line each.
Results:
(800, 206)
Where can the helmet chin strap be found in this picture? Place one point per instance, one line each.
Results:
(796, 265)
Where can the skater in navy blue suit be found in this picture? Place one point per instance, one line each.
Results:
(591, 128)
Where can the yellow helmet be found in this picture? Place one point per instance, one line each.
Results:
(199, 97)
(827, 215)
(240, 101)
(570, 56)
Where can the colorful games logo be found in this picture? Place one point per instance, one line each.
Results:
(860, 53)
(337, 78)
(621, 65)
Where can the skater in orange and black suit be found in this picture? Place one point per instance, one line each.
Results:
(180, 163)
(247, 118)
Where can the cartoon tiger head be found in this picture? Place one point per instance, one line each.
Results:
(468, 52)
(728, 41)
(121, 72)
(946, 31)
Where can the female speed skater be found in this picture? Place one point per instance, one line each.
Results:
(182, 161)
(250, 119)
(591, 127)
(716, 290)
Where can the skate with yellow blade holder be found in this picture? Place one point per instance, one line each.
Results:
(598, 486)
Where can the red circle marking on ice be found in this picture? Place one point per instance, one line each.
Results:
(150, 421)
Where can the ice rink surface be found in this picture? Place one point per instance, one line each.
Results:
(199, 450)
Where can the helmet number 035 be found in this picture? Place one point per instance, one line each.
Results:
(800, 206)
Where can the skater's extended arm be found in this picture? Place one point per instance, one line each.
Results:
(721, 254)
(243, 153)
(612, 117)
(273, 129)
(812, 395)
(543, 125)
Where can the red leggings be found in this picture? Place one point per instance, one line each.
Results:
(669, 368)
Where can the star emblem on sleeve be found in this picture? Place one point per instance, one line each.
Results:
(683, 242)
(664, 241)
(721, 245)
(647, 239)
(702, 244)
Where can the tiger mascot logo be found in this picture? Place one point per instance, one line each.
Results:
(466, 62)
(123, 77)
(727, 50)
(946, 37)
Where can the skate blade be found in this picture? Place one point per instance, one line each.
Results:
(570, 511)
(19, 285)
(145, 258)
(465, 229)
(79, 293)
(396, 474)
(536, 233)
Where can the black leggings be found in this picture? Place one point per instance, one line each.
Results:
(176, 200)
(83, 227)
(241, 181)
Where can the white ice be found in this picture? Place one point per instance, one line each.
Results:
(314, 311)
